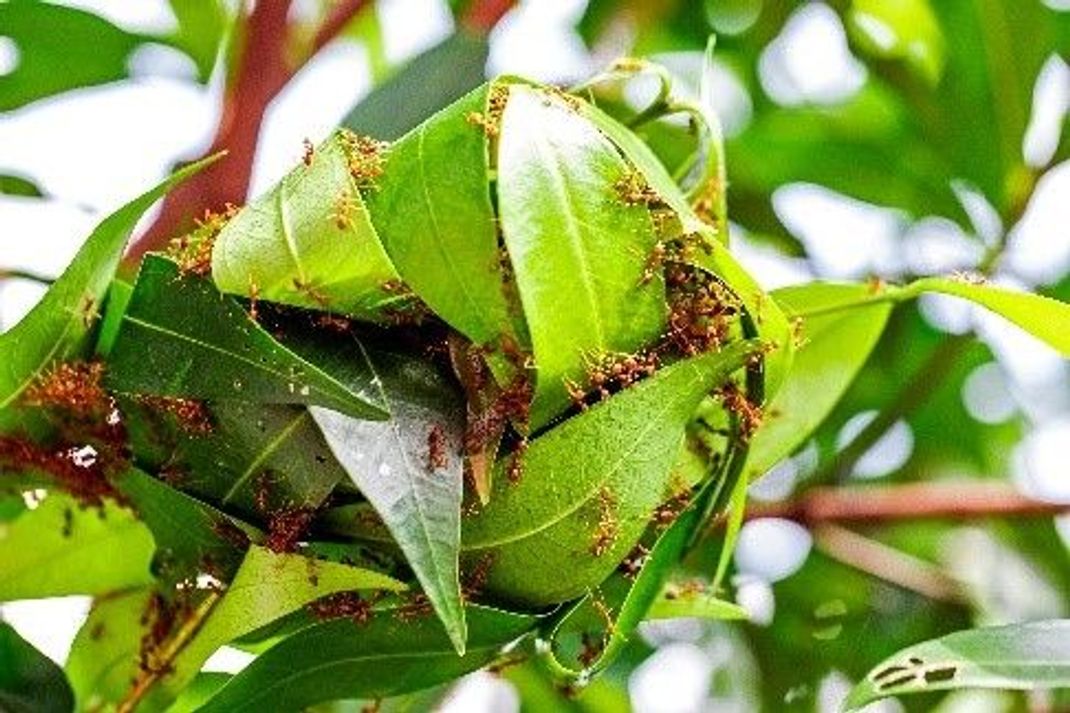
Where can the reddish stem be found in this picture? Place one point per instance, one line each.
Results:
(915, 501)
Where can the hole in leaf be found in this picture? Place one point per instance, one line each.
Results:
(889, 671)
(937, 675)
(897, 681)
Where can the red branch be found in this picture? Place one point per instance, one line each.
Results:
(337, 18)
(262, 71)
(961, 500)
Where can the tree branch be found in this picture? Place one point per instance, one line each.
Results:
(887, 563)
(335, 21)
(961, 500)
(262, 71)
(9, 273)
(484, 15)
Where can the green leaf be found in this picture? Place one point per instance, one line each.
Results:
(577, 248)
(432, 80)
(62, 548)
(254, 444)
(834, 348)
(191, 537)
(433, 213)
(266, 587)
(1044, 318)
(14, 185)
(115, 303)
(1019, 656)
(57, 327)
(674, 605)
(589, 486)
(903, 30)
(386, 657)
(104, 655)
(391, 463)
(60, 48)
(202, 27)
(180, 338)
(29, 681)
(309, 242)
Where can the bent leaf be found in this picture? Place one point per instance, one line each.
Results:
(433, 212)
(57, 327)
(1044, 318)
(181, 338)
(417, 493)
(1019, 656)
(386, 657)
(62, 548)
(577, 248)
(266, 587)
(309, 242)
(835, 346)
(588, 487)
(29, 681)
(189, 534)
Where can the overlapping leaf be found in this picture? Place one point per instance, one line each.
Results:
(433, 213)
(309, 242)
(589, 486)
(57, 327)
(180, 338)
(386, 657)
(577, 248)
(409, 468)
(266, 587)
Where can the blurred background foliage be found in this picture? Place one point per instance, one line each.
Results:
(865, 138)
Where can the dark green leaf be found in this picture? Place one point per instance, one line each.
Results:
(191, 537)
(181, 338)
(259, 448)
(410, 469)
(63, 548)
(57, 327)
(1019, 656)
(60, 48)
(578, 249)
(588, 487)
(29, 682)
(386, 657)
(432, 80)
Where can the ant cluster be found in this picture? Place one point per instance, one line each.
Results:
(607, 529)
(286, 525)
(491, 121)
(701, 310)
(342, 605)
(609, 373)
(193, 251)
(364, 156)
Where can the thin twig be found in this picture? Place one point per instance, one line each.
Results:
(887, 563)
(336, 20)
(7, 273)
(954, 500)
(146, 679)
